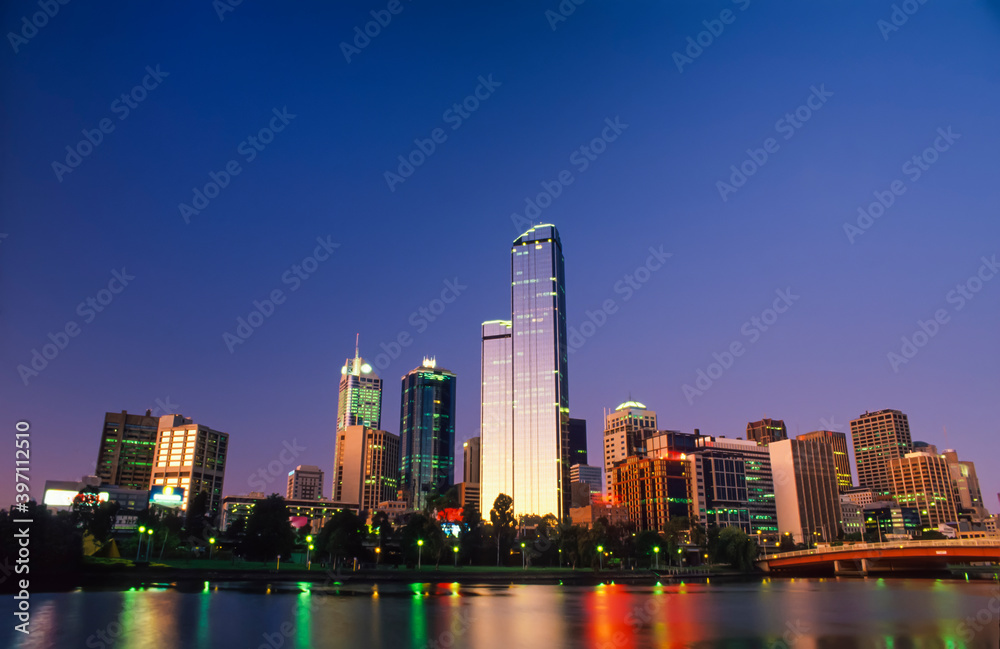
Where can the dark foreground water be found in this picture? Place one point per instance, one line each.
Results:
(797, 614)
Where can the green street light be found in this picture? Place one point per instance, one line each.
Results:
(211, 546)
(524, 562)
(309, 539)
(420, 552)
(312, 547)
(454, 550)
(600, 555)
(142, 530)
(656, 553)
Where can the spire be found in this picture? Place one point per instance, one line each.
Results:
(357, 341)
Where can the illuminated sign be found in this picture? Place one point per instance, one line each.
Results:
(166, 496)
(65, 497)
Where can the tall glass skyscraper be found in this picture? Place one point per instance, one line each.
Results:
(360, 401)
(496, 415)
(427, 429)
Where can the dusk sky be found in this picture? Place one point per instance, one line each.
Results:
(673, 120)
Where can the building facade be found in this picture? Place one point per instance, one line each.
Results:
(841, 457)
(472, 460)
(966, 482)
(653, 490)
(427, 432)
(852, 519)
(192, 457)
(128, 445)
(923, 481)
(496, 414)
(592, 475)
(879, 438)
(366, 468)
(305, 482)
(766, 431)
(805, 489)
(625, 432)
(759, 481)
(360, 397)
(887, 521)
(719, 489)
(577, 441)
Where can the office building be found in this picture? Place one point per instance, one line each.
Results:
(924, 447)
(887, 521)
(663, 441)
(625, 432)
(860, 495)
(577, 441)
(966, 482)
(879, 438)
(591, 512)
(360, 397)
(591, 475)
(471, 460)
(766, 431)
(653, 490)
(852, 519)
(468, 494)
(496, 414)
(719, 489)
(805, 489)
(309, 510)
(759, 481)
(366, 468)
(841, 459)
(125, 455)
(191, 457)
(427, 432)
(305, 482)
(923, 481)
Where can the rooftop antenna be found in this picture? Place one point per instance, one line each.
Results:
(357, 340)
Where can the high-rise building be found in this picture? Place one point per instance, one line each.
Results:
(541, 385)
(193, 457)
(427, 432)
(625, 431)
(366, 469)
(887, 521)
(496, 414)
(852, 519)
(360, 398)
(305, 482)
(577, 441)
(879, 438)
(471, 460)
(759, 482)
(719, 489)
(468, 494)
(966, 482)
(923, 481)
(661, 441)
(860, 495)
(591, 475)
(805, 488)
(653, 490)
(841, 459)
(766, 431)
(128, 443)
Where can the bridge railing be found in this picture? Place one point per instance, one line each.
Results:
(827, 549)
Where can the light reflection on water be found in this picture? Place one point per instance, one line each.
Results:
(794, 614)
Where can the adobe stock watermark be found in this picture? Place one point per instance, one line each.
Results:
(363, 35)
(222, 7)
(913, 169)
(576, 337)
(454, 116)
(962, 294)
(580, 158)
(898, 17)
(420, 320)
(703, 40)
(87, 310)
(753, 329)
(564, 10)
(248, 149)
(986, 619)
(39, 19)
(276, 469)
(786, 126)
(294, 277)
(122, 107)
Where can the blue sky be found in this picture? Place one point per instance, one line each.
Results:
(323, 175)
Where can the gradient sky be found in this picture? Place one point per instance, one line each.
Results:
(159, 343)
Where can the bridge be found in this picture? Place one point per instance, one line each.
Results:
(897, 556)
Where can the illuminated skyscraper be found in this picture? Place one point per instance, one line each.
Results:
(540, 359)
(879, 438)
(125, 457)
(471, 454)
(427, 432)
(496, 415)
(192, 457)
(625, 432)
(525, 398)
(360, 402)
(766, 431)
(838, 441)
(366, 467)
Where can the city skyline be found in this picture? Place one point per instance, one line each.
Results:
(848, 301)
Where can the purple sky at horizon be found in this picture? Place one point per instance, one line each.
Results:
(866, 209)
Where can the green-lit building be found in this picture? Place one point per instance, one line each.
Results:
(360, 399)
(427, 432)
(125, 456)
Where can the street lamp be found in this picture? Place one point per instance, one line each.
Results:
(309, 547)
(420, 552)
(142, 531)
(211, 546)
(149, 546)
(309, 565)
(378, 553)
(560, 557)
(680, 558)
(656, 553)
(454, 550)
(524, 564)
(600, 555)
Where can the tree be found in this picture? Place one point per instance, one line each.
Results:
(421, 527)
(646, 542)
(502, 517)
(195, 521)
(269, 534)
(93, 516)
(444, 499)
(472, 532)
(737, 549)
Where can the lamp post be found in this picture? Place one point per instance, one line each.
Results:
(142, 532)
(560, 557)
(680, 558)
(378, 553)
(309, 565)
(309, 547)
(211, 546)
(454, 551)
(149, 546)
(524, 564)
(600, 555)
(656, 553)
(420, 552)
